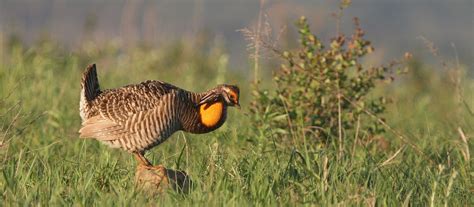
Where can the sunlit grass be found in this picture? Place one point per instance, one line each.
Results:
(44, 162)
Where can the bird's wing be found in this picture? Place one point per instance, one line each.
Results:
(131, 110)
(119, 104)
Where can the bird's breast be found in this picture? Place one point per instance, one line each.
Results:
(211, 114)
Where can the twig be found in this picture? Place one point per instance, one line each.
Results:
(343, 4)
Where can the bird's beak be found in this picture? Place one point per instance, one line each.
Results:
(237, 106)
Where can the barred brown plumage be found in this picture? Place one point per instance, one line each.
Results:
(140, 116)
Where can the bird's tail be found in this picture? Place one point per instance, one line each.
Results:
(89, 89)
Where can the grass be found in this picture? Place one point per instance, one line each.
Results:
(43, 162)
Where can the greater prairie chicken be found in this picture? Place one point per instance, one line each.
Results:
(138, 117)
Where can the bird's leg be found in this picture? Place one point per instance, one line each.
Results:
(140, 157)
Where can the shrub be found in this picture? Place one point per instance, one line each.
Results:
(323, 91)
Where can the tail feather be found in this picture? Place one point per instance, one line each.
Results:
(89, 91)
(90, 83)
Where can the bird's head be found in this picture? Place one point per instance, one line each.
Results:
(229, 94)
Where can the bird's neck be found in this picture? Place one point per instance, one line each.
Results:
(204, 118)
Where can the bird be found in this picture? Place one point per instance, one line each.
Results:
(138, 117)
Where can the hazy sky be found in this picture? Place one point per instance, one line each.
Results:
(393, 25)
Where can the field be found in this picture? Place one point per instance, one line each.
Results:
(422, 158)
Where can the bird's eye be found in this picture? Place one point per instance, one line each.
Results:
(233, 97)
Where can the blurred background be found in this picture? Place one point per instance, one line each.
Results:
(195, 44)
(394, 26)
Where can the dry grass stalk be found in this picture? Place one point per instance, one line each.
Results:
(261, 41)
(406, 202)
(356, 138)
(257, 44)
(371, 200)
(398, 134)
(435, 186)
(454, 72)
(325, 174)
(339, 122)
(465, 152)
(450, 186)
(339, 111)
(293, 134)
(389, 160)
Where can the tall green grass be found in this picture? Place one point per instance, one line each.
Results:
(43, 162)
